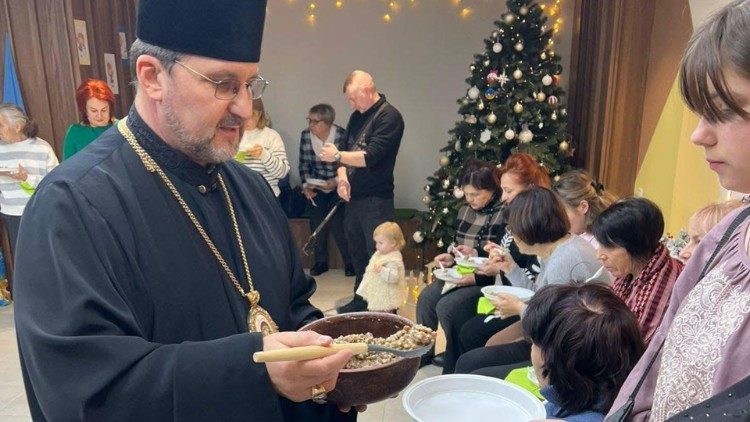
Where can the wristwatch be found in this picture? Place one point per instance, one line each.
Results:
(337, 157)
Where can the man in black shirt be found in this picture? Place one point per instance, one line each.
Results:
(365, 177)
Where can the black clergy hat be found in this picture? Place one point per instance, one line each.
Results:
(221, 29)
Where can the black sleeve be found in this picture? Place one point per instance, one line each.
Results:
(385, 138)
(83, 351)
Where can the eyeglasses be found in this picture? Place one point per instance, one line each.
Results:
(228, 89)
(313, 121)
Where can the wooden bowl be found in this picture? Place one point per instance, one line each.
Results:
(375, 383)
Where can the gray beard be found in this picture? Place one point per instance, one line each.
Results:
(201, 149)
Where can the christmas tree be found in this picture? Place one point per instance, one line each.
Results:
(513, 104)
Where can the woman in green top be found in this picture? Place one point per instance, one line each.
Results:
(95, 103)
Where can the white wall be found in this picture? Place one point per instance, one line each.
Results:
(702, 9)
(419, 61)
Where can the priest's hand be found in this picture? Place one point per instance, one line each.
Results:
(295, 380)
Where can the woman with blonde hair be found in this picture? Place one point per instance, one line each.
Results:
(261, 148)
(584, 199)
(703, 221)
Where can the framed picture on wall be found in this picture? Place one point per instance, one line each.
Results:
(82, 43)
(110, 69)
(123, 45)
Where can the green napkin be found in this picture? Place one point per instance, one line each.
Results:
(464, 270)
(520, 377)
(484, 306)
(26, 187)
(240, 156)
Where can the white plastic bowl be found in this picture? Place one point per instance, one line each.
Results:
(468, 397)
(519, 292)
(473, 262)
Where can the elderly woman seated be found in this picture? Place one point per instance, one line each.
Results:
(629, 234)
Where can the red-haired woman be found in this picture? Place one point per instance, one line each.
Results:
(95, 102)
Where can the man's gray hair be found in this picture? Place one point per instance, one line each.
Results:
(166, 57)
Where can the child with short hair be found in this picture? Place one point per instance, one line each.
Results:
(585, 341)
(384, 282)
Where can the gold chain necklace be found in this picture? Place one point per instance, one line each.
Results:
(258, 319)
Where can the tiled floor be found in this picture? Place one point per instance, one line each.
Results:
(332, 287)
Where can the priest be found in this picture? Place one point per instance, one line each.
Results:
(151, 266)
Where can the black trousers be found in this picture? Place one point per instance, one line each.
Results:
(495, 361)
(326, 201)
(475, 332)
(452, 310)
(361, 217)
(11, 225)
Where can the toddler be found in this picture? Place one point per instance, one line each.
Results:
(384, 283)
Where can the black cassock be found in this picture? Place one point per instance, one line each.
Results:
(122, 311)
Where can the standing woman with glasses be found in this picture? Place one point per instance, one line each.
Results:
(261, 148)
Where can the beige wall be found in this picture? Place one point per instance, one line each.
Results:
(419, 61)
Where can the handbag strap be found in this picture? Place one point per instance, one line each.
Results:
(732, 227)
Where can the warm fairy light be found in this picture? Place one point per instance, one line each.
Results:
(315, 8)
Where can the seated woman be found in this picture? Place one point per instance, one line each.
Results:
(629, 234)
(95, 102)
(584, 200)
(585, 341)
(540, 227)
(478, 222)
(261, 148)
(703, 221)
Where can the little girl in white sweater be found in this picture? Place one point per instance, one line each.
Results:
(384, 282)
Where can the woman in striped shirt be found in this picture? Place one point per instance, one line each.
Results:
(24, 161)
(261, 148)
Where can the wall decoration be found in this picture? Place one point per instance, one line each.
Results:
(82, 43)
(111, 71)
(123, 45)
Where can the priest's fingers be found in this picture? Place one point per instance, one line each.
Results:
(294, 380)
(361, 408)
(294, 339)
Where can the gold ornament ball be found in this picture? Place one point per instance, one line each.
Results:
(517, 74)
(486, 62)
(444, 161)
(426, 199)
(510, 18)
(543, 56)
(518, 108)
(518, 46)
(510, 134)
(491, 118)
(547, 80)
(525, 136)
(523, 10)
(541, 97)
(564, 146)
(497, 47)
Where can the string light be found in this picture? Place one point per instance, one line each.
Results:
(393, 7)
